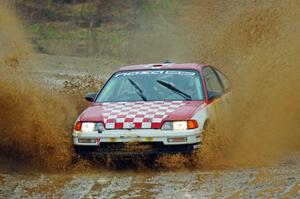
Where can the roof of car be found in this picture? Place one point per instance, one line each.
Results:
(163, 66)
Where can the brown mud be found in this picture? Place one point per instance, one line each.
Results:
(254, 43)
(33, 120)
(252, 151)
(257, 45)
(280, 181)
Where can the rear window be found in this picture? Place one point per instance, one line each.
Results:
(153, 85)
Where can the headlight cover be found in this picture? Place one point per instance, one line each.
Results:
(180, 125)
(89, 126)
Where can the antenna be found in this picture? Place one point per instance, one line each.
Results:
(167, 39)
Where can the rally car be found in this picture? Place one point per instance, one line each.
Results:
(151, 109)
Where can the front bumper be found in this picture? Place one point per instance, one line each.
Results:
(137, 141)
(137, 135)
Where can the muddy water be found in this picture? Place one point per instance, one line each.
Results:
(278, 181)
(33, 119)
(255, 43)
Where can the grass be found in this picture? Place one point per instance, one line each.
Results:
(153, 8)
(68, 31)
(45, 31)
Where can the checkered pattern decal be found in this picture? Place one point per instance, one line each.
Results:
(139, 115)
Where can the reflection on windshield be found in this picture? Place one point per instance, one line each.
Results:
(152, 85)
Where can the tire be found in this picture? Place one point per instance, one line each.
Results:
(208, 134)
(206, 153)
(83, 152)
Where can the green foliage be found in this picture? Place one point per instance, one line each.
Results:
(53, 13)
(158, 6)
(90, 27)
(36, 28)
(116, 39)
(45, 31)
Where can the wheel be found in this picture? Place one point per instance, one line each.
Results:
(83, 152)
(209, 149)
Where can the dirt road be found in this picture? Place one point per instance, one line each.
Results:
(279, 181)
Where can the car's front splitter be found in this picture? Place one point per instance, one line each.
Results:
(127, 150)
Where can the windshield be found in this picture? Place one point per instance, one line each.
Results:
(153, 85)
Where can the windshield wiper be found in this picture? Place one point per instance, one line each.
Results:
(175, 90)
(137, 89)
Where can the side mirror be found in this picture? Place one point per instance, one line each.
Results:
(213, 95)
(90, 97)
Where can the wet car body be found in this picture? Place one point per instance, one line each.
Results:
(151, 109)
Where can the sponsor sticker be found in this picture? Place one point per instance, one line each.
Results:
(113, 139)
(149, 139)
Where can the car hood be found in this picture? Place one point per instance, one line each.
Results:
(139, 115)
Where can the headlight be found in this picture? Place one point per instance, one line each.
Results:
(180, 125)
(89, 126)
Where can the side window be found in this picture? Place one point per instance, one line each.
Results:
(212, 81)
(225, 81)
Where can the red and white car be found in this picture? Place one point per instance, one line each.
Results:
(164, 107)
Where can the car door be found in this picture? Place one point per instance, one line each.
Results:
(215, 91)
(226, 94)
